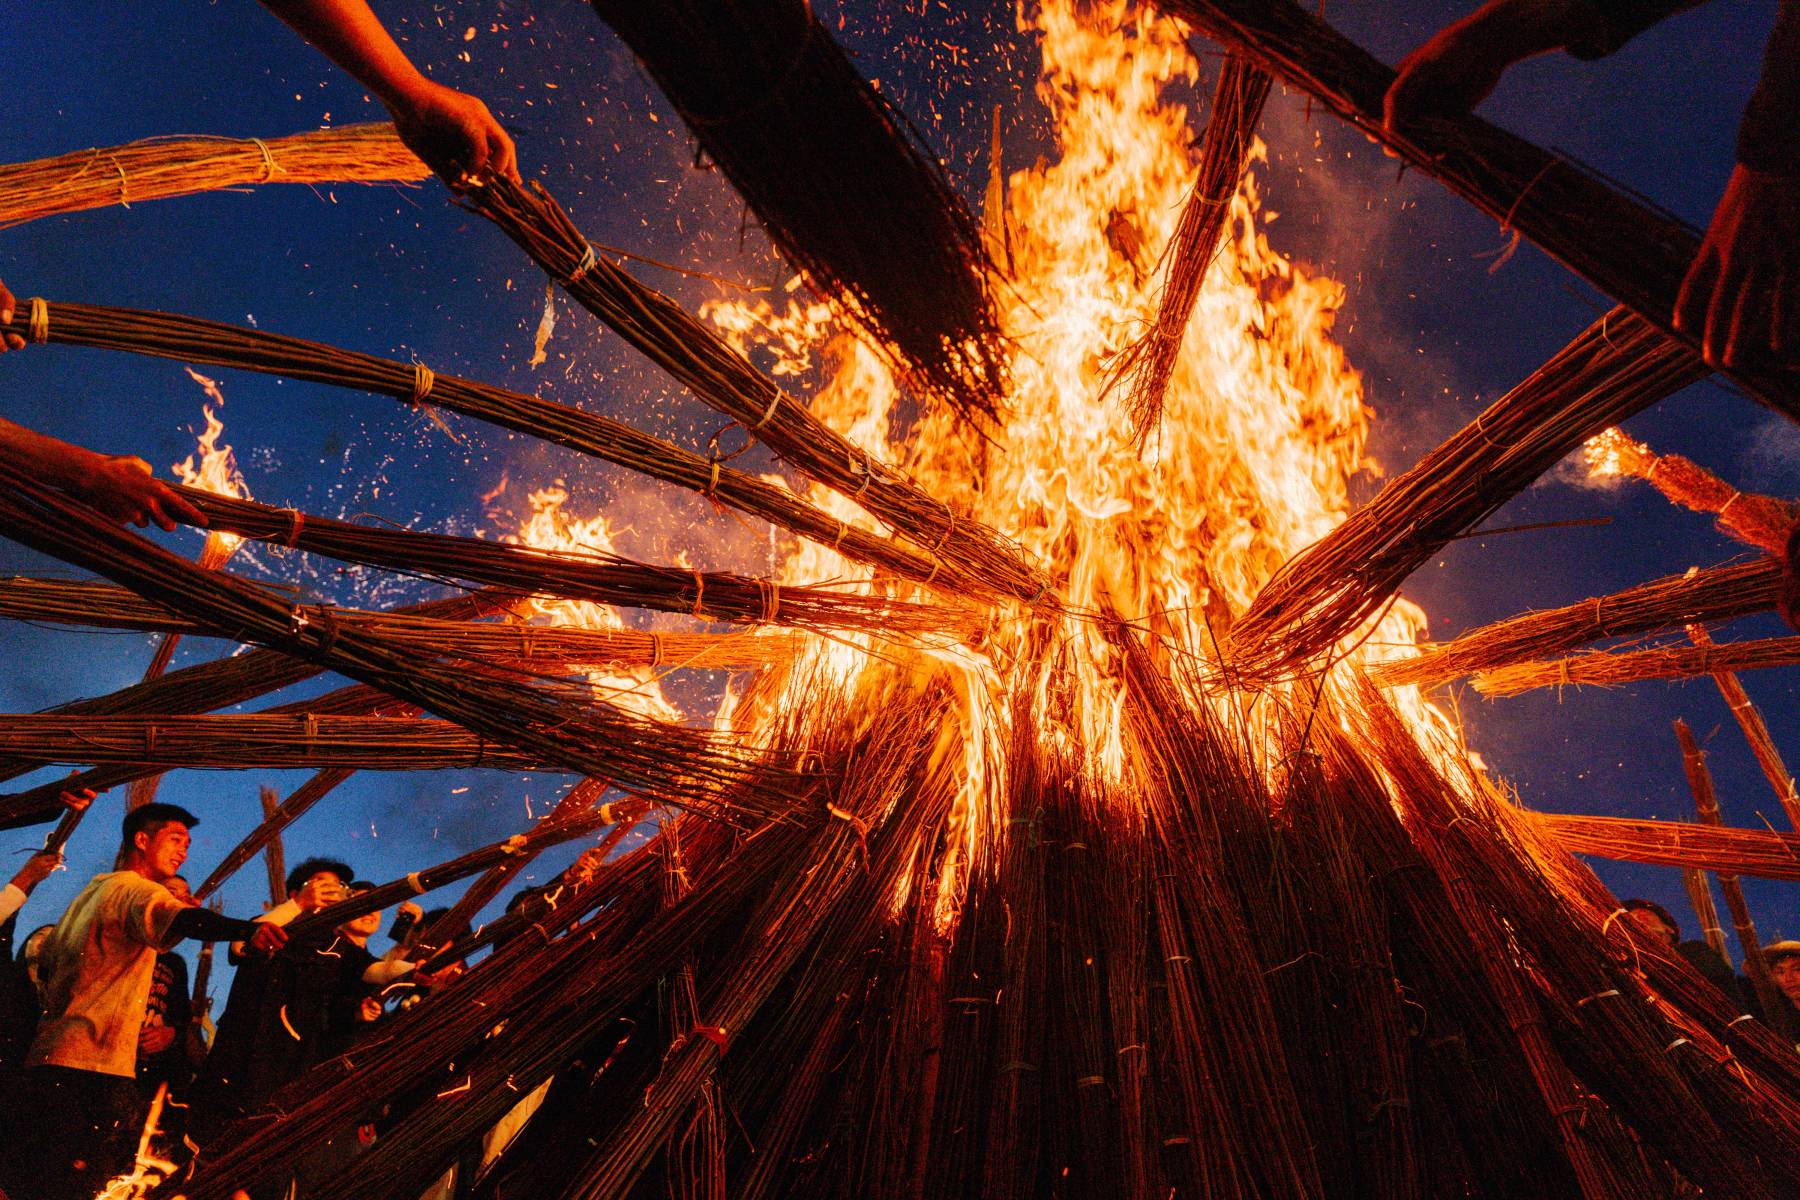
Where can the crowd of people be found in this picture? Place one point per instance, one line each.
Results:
(98, 1015)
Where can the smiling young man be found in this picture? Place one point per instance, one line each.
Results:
(97, 970)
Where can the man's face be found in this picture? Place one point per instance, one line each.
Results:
(1786, 974)
(367, 925)
(163, 850)
(1652, 924)
(178, 888)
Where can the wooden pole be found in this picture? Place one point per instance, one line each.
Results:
(274, 856)
(1706, 803)
(1699, 890)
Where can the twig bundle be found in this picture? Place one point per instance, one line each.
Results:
(1147, 363)
(1760, 521)
(1698, 885)
(160, 168)
(1622, 246)
(417, 883)
(1615, 367)
(432, 626)
(1756, 732)
(1714, 594)
(596, 576)
(566, 727)
(273, 822)
(1759, 853)
(256, 740)
(191, 339)
(40, 803)
(1600, 668)
(969, 553)
(840, 179)
(274, 853)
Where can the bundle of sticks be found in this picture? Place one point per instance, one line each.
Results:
(164, 167)
(558, 724)
(1760, 521)
(433, 626)
(1146, 365)
(969, 553)
(1621, 245)
(191, 339)
(1616, 367)
(839, 178)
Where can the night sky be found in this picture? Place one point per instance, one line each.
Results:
(403, 273)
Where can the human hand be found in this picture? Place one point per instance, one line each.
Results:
(320, 892)
(11, 341)
(455, 135)
(123, 488)
(37, 868)
(268, 938)
(78, 799)
(408, 909)
(1448, 75)
(154, 1039)
(1738, 300)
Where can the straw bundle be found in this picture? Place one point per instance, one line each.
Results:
(1764, 855)
(1760, 521)
(840, 179)
(274, 821)
(569, 728)
(1756, 732)
(1237, 104)
(417, 883)
(159, 168)
(592, 575)
(274, 854)
(255, 740)
(1714, 594)
(1615, 367)
(970, 554)
(1600, 668)
(1622, 246)
(41, 802)
(190, 339)
(432, 626)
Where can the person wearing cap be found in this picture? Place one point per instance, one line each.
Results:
(97, 968)
(1783, 961)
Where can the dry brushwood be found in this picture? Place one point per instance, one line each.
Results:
(599, 577)
(560, 725)
(1146, 365)
(193, 340)
(1621, 245)
(1714, 594)
(1756, 731)
(1600, 668)
(1617, 366)
(969, 553)
(163, 167)
(269, 830)
(250, 741)
(432, 626)
(1759, 853)
(1759, 521)
(841, 181)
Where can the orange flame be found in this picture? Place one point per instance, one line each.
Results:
(217, 471)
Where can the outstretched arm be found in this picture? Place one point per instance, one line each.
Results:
(453, 133)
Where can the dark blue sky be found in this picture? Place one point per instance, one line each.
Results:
(406, 274)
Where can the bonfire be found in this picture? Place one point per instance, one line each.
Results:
(1076, 823)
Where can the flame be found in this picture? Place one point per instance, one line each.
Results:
(1613, 453)
(551, 528)
(1265, 426)
(217, 471)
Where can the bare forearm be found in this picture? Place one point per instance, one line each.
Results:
(350, 34)
(58, 463)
